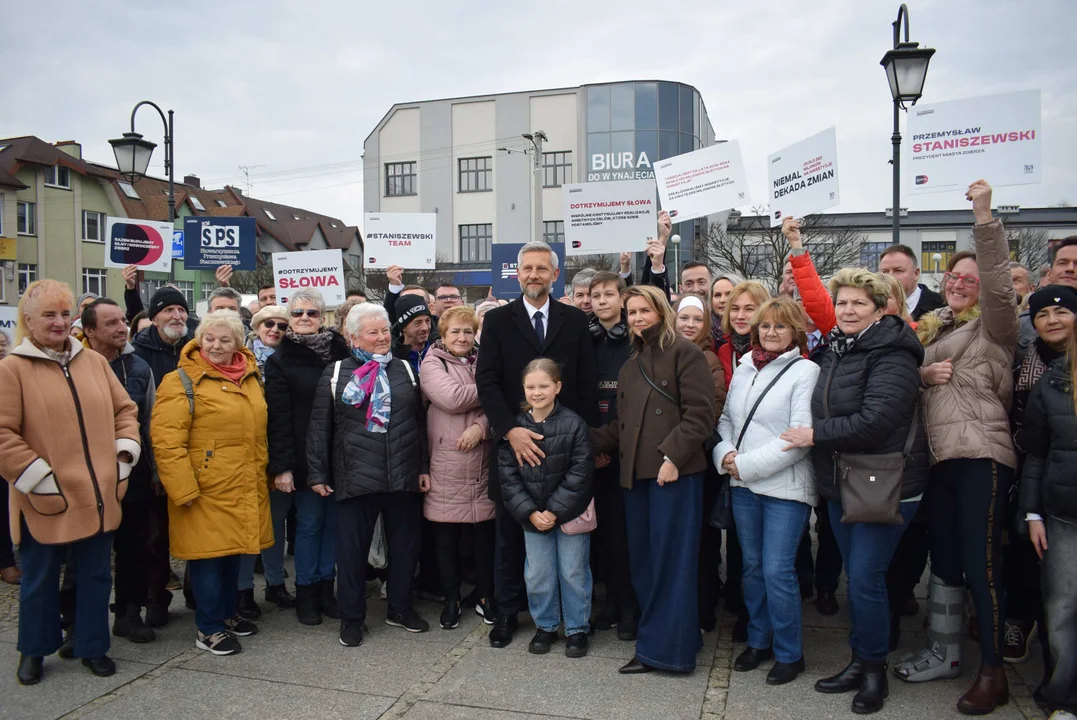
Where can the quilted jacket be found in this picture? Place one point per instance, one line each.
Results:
(1048, 483)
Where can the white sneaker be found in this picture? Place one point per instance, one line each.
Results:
(1062, 715)
(384, 590)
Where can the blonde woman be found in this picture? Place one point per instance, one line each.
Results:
(663, 421)
(743, 301)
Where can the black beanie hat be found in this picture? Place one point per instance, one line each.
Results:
(1060, 295)
(409, 307)
(163, 298)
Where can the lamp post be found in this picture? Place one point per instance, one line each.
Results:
(133, 159)
(676, 240)
(906, 70)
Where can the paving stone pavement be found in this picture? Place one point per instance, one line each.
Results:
(293, 671)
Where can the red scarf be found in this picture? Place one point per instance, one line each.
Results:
(235, 370)
(761, 358)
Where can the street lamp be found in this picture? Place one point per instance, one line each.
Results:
(676, 240)
(133, 159)
(906, 71)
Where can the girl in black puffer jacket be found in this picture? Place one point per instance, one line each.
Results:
(545, 497)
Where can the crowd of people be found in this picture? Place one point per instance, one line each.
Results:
(535, 448)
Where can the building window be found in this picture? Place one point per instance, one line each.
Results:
(475, 241)
(27, 275)
(556, 169)
(93, 226)
(93, 281)
(207, 290)
(147, 288)
(129, 190)
(1, 213)
(355, 261)
(871, 253)
(553, 231)
(269, 214)
(197, 204)
(928, 251)
(758, 261)
(27, 217)
(399, 179)
(58, 176)
(222, 203)
(187, 288)
(476, 174)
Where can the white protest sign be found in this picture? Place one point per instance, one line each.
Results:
(8, 318)
(703, 182)
(609, 217)
(951, 144)
(145, 243)
(405, 239)
(321, 270)
(803, 178)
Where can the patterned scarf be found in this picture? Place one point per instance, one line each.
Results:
(742, 344)
(841, 343)
(717, 336)
(371, 381)
(261, 353)
(320, 342)
(761, 358)
(469, 359)
(1038, 357)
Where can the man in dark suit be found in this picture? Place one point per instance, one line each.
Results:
(513, 335)
(900, 261)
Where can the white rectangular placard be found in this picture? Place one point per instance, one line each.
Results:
(609, 217)
(951, 144)
(405, 239)
(703, 182)
(803, 178)
(321, 270)
(145, 243)
(8, 319)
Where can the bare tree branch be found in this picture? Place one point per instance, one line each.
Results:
(1029, 246)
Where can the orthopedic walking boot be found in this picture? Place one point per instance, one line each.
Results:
(940, 659)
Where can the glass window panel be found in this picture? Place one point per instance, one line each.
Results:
(668, 144)
(598, 108)
(688, 115)
(687, 143)
(668, 101)
(622, 107)
(646, 106)
(622, 142)
(647, 142)
(598, 144)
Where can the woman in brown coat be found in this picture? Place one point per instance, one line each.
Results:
(663, 422)
(68, 440)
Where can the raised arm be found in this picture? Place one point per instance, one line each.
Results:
(817, 301)
(998, 301)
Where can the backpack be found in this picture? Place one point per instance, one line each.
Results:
(188, 385)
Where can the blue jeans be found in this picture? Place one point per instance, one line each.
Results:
(315, 537)
(39, 595)
(664, 524)
(867, 550)
(769, 530)
(272, 557)
(214, 582)
(558, 561)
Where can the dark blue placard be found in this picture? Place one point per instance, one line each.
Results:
(209, 242)
(503, 279)
(177, 244)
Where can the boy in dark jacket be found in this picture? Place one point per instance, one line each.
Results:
(543, 499)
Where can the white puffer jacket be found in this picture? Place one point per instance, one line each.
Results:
(764, 467)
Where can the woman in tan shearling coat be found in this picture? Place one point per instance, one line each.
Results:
(68, 440)
(968, 385)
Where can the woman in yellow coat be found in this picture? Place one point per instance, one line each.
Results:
(209, 443)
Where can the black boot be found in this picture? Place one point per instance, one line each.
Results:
(67, 649)
(628, 623)
(30, 669)
(845, 681)
(328, 599)
(129, 624)
(874, 688)
(279, 596)
(246, 607)
(307, 605)
(606, 618)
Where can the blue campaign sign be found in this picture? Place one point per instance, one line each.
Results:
(503, 280)
(209, 242)
(177, 244)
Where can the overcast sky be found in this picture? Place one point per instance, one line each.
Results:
(291, 86)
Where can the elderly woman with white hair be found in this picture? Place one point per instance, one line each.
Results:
(209, 443)
(366, 446)
(291, 377)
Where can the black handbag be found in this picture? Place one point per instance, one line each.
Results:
(721, 515)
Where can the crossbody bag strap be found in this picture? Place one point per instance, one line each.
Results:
(660, 391)
(751, 413)
(333, 380)
(912, 430)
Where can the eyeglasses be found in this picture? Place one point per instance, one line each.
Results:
(313, 314)
(269, 325)
(969, 281)
(447, 298)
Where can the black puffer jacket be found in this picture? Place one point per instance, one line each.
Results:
(162, 357)
(1048, 482)
(562, 481)
(342, 453)
(864, 401)
(291, 377)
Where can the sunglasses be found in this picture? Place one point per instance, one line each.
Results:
(315, 314)
(269, 325)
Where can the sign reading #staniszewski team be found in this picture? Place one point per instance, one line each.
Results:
(995, 137)
(144, 243)
(209, 242)
(405, 239)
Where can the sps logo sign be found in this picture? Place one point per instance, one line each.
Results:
(219, 236)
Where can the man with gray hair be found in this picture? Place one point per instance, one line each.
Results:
(580, 292)
(530, 327)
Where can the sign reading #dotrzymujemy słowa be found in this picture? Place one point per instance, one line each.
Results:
(803, 178)
(951, 144)
(321, 270)
(608, 217)
(209, 242)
